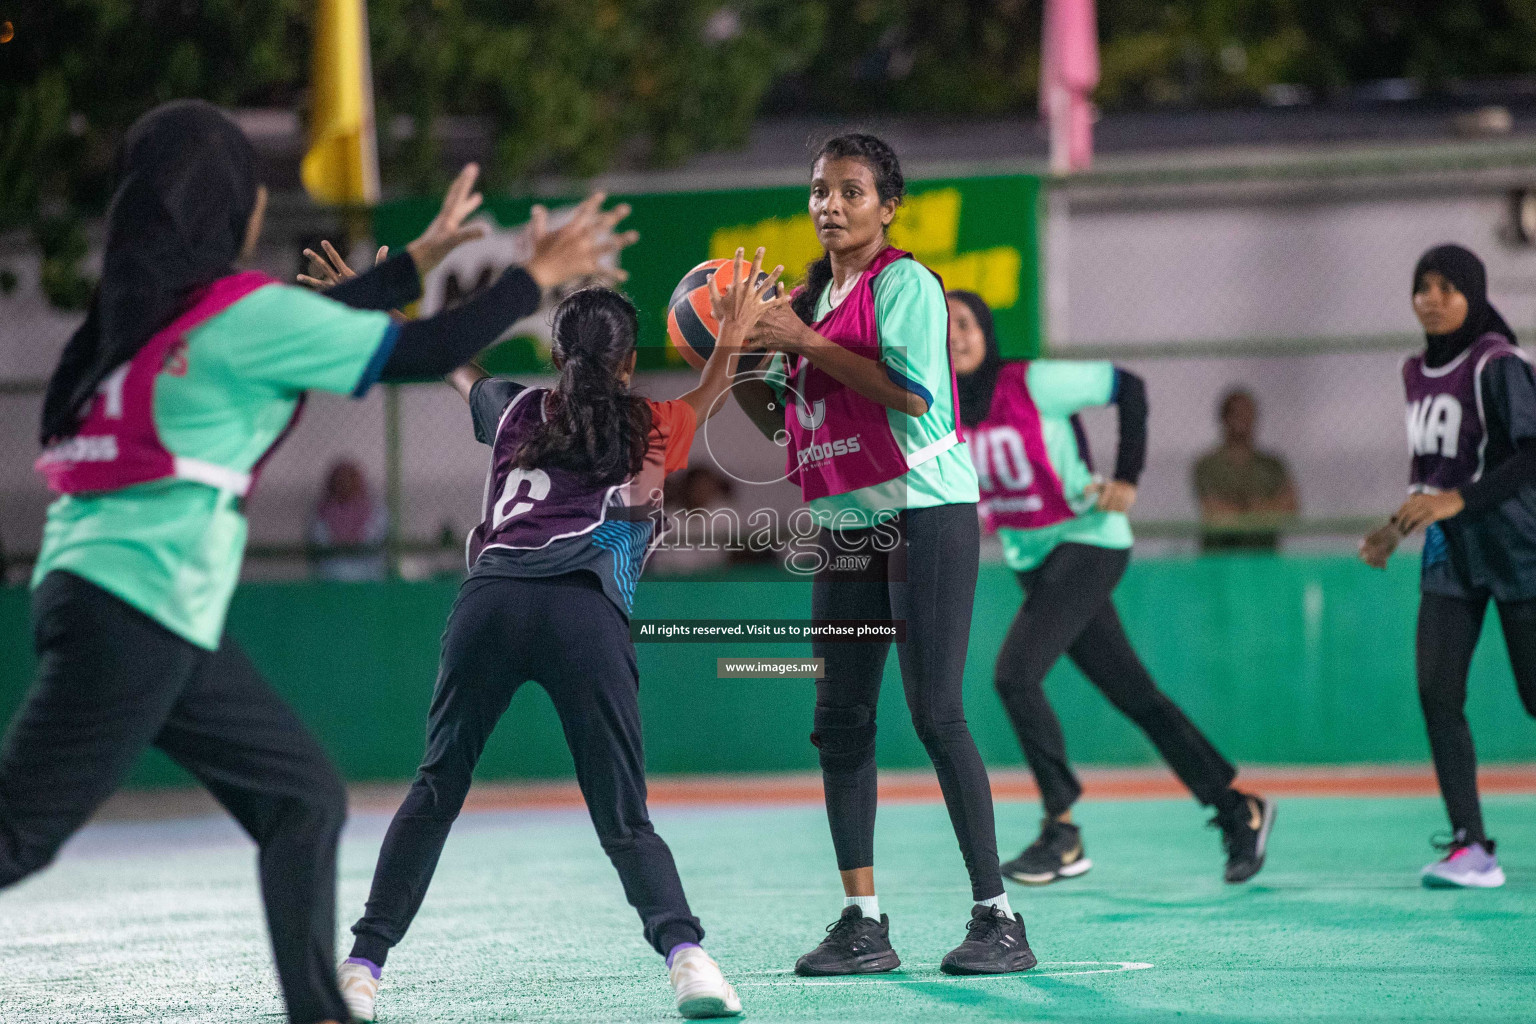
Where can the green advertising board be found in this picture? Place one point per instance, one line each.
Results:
(976, 233)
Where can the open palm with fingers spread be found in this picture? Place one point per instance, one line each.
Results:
(448, 231)
(330, 269)
(577, 248)
(745, 299)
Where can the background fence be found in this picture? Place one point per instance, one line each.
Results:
(1290, 279)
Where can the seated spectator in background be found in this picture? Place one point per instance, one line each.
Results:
(347, 533)
(697, 540)
(1239, 486)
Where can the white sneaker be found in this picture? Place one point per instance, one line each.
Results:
(1465, 866)
(701, 989)
(359, 989)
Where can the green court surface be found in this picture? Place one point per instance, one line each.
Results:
(159, 921)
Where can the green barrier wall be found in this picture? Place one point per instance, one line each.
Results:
(1282, 660)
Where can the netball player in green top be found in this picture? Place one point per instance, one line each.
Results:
(863, 392)
(1065, 533)
(184, 376)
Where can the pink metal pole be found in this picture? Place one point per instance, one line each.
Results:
(1069, 72)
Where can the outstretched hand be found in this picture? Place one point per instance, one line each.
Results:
(739, 306)
(576, 249)
(330, 270)
(448, 231)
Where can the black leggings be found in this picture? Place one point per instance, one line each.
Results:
(1447, 635)
(929, 580)
(1068, 610)
(565, 633)
(111, 682)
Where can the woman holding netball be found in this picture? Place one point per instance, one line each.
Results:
(183, 378)
(1472, 485)
(1066, 536)
(862, 388)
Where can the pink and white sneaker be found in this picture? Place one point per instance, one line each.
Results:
(1464, 866)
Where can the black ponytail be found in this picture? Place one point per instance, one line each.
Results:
(881, 160)
(818, 274)
(596, 425)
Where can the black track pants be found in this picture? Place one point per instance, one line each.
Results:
(565, 633)
(112, 681)
(1068, 610)
(1447, 635)
(927, 579)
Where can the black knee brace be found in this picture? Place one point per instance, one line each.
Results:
(844, 734)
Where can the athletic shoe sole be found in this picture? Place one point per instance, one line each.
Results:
(1486, 880)
(1261, 849)
(1073, 870)
(1021, 961)
(706, 1006)
(869, 963)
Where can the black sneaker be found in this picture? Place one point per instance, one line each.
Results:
(994, 944)
(1057, 853)
(855, 944)
(1245, 834)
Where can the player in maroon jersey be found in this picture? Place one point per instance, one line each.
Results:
(1472, 485)
(572, 507)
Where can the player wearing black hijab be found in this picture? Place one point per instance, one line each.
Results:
(1472, 484)
(165, 402)
(1065, 533)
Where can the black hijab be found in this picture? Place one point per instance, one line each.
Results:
(186, 188)
(1463, 269)
(976, 387)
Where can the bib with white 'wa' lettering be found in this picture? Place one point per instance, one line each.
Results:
(1447, 427)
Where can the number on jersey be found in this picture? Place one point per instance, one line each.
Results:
(999, 453)
(508, 506)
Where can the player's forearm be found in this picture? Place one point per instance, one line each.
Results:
(465, 377)
(866, 376)
(714, 381)
(437, 345)
(1131, 406)
(758, 400)
(393, 284)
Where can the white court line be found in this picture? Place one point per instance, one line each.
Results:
(1099, 967)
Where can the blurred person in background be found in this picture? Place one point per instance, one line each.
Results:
(1237, 484)
(1472, 485)
(696, 540)
(349, 527)
(1065, 533)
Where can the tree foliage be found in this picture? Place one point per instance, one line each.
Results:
(579, 86)
(981, 57)
(572, 86)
